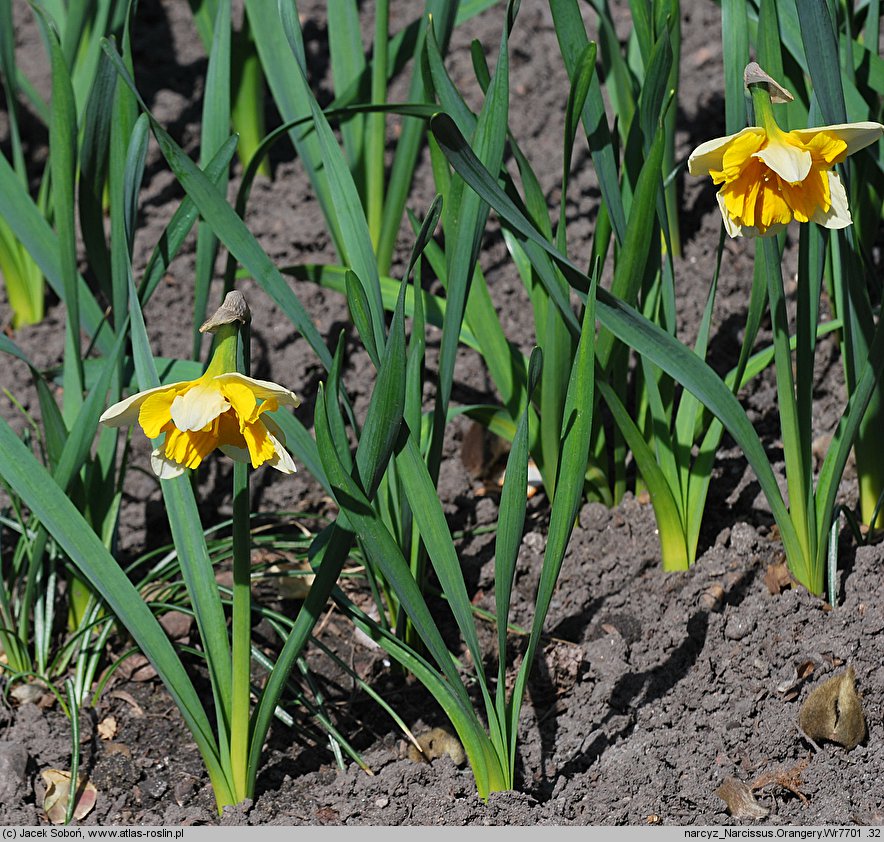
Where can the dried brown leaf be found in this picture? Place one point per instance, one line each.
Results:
(712, 598)
(741, 803)
(437, 742)
(107, 728)
(58, 788)
(777, 578)
(787, 778)
(833, 711)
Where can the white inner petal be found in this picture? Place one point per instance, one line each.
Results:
(164, 467)
(732, 227)
(282, 459)
(838, 215)
(788, 162)
(198, 407)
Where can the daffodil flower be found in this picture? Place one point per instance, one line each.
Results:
(769, 177)
(221, 409)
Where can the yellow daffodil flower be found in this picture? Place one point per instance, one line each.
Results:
(221, 409)
(225, 411)
(769, 177)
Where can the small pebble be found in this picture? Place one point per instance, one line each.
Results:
(381, 802)
(738, 627)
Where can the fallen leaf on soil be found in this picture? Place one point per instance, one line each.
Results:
(787, 778)
(833, 711)
(26, 693)
(805, 669)
(130, 700)
(777, 578)
(712, 598)
(136, 668)
(107, 728)
(437, 742)
(741, 803)
(117, 748)
(481, 452)
(296, 586)
(58, 788)
(791, 686)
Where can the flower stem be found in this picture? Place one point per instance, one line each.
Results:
(797, 475)
(241, 622)
(763, 109)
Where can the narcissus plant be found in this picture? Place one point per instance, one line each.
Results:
(769, 177)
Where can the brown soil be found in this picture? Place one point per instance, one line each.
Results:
(651, 689)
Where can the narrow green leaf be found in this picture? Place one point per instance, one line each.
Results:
(215, 129)
(30, 481)
(190, 546)
(360, 312)
(93, 170)
(63, 167)
(231, 229)
(821, 47)
(179, 226)
(670, 528)
(735, 44)
(630, 327)
(571, 35)
(347, 65)
(576, 429)
(510, 526)
(442, 13)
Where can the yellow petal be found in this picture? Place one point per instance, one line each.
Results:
(189, 447)
(230, 435)
(259, 442)
(810, 195)
(125, 413)
(155, 412)
(856, 135)
(261, 389)
(826, 149)
(242, 400)
(741, 195)
(738, 157)
(789, 162)
(201, 404)
(774, 211)
(710, 155)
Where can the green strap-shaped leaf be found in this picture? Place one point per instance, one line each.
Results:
(51, 506)
(215, 129)
(230, 229)
(190, 545)
(632, 328)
